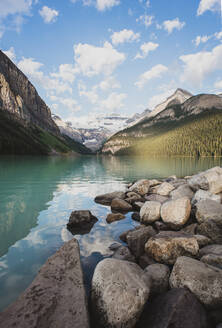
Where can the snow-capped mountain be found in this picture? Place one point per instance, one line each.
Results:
(102, 128)
(178, 97)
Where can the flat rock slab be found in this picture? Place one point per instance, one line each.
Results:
(106, 199)
(177, 308)
(166, 247)
(202, 280)
(119, 293)
(56, 298)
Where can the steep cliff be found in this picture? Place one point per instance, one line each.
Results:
(19, 98)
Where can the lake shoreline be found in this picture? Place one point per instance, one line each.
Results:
(159, 251)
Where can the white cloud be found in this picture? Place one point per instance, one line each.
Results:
(170, 25)
(218, 35)
(205, 5)
(11, 7)
(32, 69)
(201, 39)
(91, 95)
(67, 72)
(154, 72)
(70, 103)
(113, 101)
(145, 49)
(146, 20)
(49, 15)
(124, 36)
(10, 53)
(91, 60)
(103, 5)
(109, 83)
(218, 85)
(199, 65)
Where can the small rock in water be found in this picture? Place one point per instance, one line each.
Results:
(81, 222)
(106, 199)
(136, 216)
(120, 205)
(112, 217)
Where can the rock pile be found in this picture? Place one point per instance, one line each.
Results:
(169, 273)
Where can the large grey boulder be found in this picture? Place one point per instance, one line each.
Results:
(212, 259)
(211, 249)
(157, 277)
(106, 199)
(177, 308)
(56, 298)
(202, 240)
(209, 210)
(167, 246)
(141, 187)
(202, 280)
(150, 212)
(119, 293)
(209, 180)
(212, 230)
(120, 205)
(81, 222)
(164, 189)
(203, 195)
(137, 239)
(176, 213)
(182, 191)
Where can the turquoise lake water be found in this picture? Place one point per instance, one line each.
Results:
(38, 194)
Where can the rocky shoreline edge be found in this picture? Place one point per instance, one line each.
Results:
(166, 273)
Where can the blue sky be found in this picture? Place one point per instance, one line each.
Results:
(91, 58)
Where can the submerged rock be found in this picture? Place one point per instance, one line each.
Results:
(119, 293)
(202, 280)
(167, 246)
(177, 308)
(81, 222)
(56, 298)
(106, 199)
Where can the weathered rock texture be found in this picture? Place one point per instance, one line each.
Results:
(202, 280)
(56, 298)
(19, 98)
(119, 293)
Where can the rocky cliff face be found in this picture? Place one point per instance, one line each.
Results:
(19, 98)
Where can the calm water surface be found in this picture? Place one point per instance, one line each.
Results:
(38, 194)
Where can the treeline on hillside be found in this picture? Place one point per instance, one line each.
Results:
(200, 136)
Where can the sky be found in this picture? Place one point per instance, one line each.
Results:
(93, 58)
